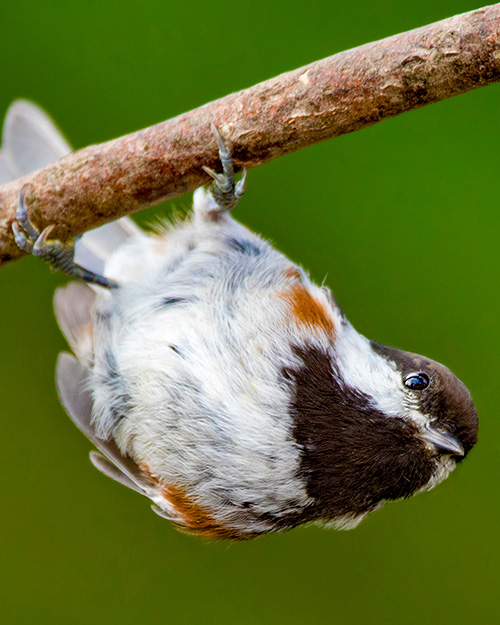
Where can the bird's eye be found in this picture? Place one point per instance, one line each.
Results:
(417, 381)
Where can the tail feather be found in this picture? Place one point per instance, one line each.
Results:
(31, 140)
(5, 173)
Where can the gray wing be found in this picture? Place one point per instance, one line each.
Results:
(72, 383)
(109, 469)
(74, 306)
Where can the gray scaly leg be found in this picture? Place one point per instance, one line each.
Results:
(60, 256)
(224, 190)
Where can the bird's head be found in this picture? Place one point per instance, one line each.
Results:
(375, 424)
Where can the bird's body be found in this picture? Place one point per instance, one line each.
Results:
(213, 312)
(222, 383)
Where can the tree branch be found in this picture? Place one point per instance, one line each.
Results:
(331, 97)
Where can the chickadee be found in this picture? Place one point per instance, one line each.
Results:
(217, 379)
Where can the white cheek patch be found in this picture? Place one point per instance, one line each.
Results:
(369, 373)
(364, 369)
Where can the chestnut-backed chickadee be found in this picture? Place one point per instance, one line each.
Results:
(216, 379)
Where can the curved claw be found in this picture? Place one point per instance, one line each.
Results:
(240, 187)
(224, 152)
(22, 211)
(39, 247)
(208, 170)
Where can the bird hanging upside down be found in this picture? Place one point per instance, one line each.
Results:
(216, 379)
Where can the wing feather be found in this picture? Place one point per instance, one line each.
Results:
(108, 468)
(74, 306)
(72, 379)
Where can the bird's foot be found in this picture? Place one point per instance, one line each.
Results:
(225, 191)
(60, 256)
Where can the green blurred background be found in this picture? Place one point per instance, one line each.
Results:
(402, 217)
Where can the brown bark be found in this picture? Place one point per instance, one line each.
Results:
(334, 96)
